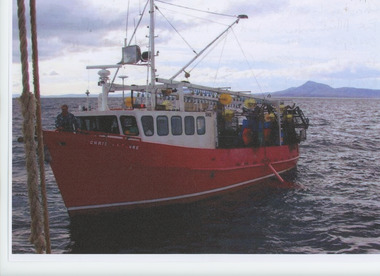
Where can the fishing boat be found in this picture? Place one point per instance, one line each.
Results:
(170, 141)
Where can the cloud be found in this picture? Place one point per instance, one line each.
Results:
(71, 25)
(256, 8)
(80, 25)
(284, 42)
(351, 71)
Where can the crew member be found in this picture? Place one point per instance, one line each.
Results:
(290, 136)
(66, 121)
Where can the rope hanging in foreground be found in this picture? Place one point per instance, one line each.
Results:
(36, 83)
(28, 110)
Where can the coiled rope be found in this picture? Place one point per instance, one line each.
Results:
(28, 109)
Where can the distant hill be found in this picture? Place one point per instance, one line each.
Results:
(69, 96)
(309, 89)
(314, 89)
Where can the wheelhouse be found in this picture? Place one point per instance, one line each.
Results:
(190, 129)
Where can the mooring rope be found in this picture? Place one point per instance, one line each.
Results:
(36, 83)
(28, 111)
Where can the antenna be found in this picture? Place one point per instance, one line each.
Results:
(151, 45)
(126, 27)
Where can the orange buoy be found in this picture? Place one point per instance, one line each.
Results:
(225, 99)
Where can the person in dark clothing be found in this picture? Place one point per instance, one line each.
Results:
(273, 134)
(290, 136)
(66, 121)
(254, 117)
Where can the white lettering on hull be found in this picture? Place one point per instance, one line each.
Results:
(98, 143)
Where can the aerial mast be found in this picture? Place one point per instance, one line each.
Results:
(151, 46)
(151, 56)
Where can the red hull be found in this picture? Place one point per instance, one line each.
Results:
(96, 172)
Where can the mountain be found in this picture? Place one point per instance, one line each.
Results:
(69, 96)
(314, 89)
(309, 89)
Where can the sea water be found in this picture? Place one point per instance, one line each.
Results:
(333, 207)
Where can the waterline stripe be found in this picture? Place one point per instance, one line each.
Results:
(170, 198)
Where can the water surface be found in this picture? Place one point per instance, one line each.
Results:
(334, 206)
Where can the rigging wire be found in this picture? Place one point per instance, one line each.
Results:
(134, 26)
(193, 9)
(220, 58)
(209, 51)
(193, 16)
(176, 30)
(246, 60)
(138, 23)
(188, 44)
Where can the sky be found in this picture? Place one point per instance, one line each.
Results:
(283, 43)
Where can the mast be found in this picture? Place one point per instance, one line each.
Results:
(151, 46)
(151, 56)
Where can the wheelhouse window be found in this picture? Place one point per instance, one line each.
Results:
(148, 125)
(162, 125)
(189, 125)
(176, 123)
(201, 125)
(107, 124)
(129, 125)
